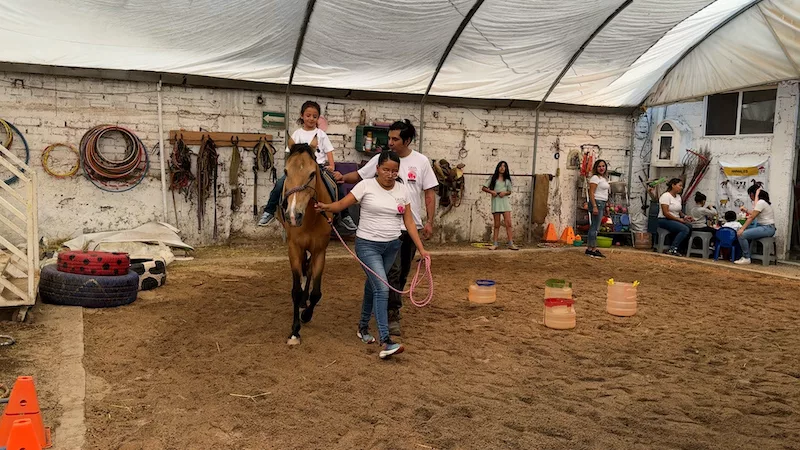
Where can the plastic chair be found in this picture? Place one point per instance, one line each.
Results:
(726, 237)
(661, 243)
(705, 241)
(768, 250)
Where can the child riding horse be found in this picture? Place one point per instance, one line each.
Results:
(308, 232)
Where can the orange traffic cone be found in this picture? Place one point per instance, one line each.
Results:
(23, 436)
(23, 404)
(550, 233)
(568, 236)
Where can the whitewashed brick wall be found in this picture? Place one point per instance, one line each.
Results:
(53, 109)
(780, 147)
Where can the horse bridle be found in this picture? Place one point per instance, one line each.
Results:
(296, 189)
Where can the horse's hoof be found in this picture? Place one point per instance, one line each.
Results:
(306, 315)
(294, 340)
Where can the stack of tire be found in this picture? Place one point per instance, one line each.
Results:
(98, 279)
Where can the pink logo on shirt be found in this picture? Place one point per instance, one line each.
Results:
(401, 209)
(412, 174)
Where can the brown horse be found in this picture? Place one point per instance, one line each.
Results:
(308, 232)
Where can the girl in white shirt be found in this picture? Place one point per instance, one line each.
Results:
(765, 225)
(385, 204)
(671, 216)
(598, 196)
(309, 116)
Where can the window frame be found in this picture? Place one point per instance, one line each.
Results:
(740, 94)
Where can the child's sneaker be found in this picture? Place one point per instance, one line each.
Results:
(511, 246)
(348, 223)
(266, 219)
(390, 348)
(365, 337)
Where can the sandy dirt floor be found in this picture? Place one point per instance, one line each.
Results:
(709, 361)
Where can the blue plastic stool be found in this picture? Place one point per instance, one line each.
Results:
(726, 237)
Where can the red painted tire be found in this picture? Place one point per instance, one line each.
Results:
(94, 263)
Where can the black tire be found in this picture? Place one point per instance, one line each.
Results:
(152, 273)
(63, 288)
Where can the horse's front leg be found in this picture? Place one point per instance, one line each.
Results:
(298, 297)
(298, 301)
(317, 267)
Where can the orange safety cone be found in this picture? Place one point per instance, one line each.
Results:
(568, 236)
(23, 436)
(23, 404)
(550, 233)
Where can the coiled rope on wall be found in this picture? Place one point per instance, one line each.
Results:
(113, 176)
(10, 130)
(46, 161)
(9, 134)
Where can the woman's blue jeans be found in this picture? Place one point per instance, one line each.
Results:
(596, 219)
(378, 256)
(673, 226)
(752, 233)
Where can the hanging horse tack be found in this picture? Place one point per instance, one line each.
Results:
(451, 184)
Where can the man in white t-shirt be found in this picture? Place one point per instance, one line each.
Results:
(418, 177)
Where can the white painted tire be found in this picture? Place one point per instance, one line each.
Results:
(152, 272)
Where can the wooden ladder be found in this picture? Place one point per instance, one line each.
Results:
(18, 219)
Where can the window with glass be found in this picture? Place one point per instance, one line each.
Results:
(739, 113)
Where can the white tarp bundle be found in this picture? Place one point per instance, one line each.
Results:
(511, 49)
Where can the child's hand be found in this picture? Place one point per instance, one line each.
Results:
(322, 207)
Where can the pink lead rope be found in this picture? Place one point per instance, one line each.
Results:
(414, 282)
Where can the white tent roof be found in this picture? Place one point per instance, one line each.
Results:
(632, 51)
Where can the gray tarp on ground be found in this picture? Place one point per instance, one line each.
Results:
(153, 239)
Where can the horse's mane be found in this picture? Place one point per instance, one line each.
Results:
(300, 148)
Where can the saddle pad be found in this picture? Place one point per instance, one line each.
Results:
(330, 184)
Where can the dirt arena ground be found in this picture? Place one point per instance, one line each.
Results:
(709, 361)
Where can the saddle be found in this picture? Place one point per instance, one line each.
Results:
(451, 184)
(330, 184)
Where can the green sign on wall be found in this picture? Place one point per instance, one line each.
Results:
(271, 119)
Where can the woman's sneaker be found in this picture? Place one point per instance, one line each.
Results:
(365, 337)
(390, 348)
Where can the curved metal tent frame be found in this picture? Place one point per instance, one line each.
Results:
(703, 39)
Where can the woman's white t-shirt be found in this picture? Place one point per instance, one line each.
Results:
(324, 145)
(381, 210)
(674, 203)
(601, 192)
(766, 216)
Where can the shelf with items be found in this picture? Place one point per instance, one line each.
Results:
(374, 138)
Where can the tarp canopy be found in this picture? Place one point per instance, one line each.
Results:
(614, 53)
